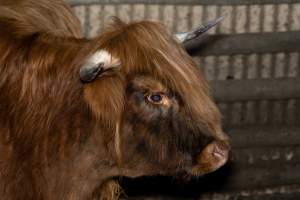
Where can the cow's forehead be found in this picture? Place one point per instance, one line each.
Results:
(149, 83)
(148, 48)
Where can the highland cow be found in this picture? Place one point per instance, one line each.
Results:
(76, 112)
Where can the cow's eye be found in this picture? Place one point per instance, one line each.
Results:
(155, 98)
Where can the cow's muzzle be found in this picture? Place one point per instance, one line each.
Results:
(212, 157)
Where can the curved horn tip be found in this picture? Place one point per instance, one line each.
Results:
(186, 36)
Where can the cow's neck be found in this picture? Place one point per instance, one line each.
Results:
(78, 177)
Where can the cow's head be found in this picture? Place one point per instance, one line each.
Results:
(159, 105)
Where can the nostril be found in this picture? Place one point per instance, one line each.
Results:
(212, 157)
(218, 152)
(221, 150)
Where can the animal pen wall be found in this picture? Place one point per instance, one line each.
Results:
(252, 61)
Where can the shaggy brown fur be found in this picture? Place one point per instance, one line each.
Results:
(31, 16)
(61, 139)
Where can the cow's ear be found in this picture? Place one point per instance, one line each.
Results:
(100, 63)
(214, 156)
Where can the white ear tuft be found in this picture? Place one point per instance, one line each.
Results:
(97, 64)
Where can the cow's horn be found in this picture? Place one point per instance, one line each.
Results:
(99, 63)
(190, 35)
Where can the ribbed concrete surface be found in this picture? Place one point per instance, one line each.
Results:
(240, 19)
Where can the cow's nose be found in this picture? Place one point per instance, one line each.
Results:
(212, 157)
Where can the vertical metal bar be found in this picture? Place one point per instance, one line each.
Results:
(297, 103)
(287, 112)
(272, 70)
(117, 10)
(131, 12)
(174, 28)
(218, 13)
(160, 13)
(86, 21)
(235, 108)
(190, 17)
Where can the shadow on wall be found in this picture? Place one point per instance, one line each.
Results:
(177, 187)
